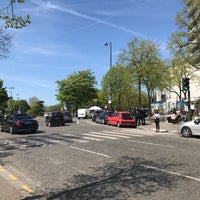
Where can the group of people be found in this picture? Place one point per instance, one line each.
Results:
(139, 115)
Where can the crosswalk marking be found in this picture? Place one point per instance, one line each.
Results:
(92, 138)
(123, 134)
(110, 135)
(63, 139)
(95, 134)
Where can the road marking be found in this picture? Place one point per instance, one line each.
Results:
(162, 145)
(15, 182)
(110, 135)
(91, 138)
(12, 177)
(2, 169)
(93, 152)
(170, 172)
(129, 134)
(100, 136)
(25, 187)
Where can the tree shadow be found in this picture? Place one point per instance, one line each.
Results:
(125, 179)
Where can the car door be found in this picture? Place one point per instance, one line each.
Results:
(196, 127)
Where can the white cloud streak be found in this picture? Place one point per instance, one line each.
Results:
(47, 5)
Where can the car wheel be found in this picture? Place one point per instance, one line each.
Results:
(186, 132)
(118, 125)
(11, 130)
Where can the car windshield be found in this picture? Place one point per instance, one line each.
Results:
(126, 116)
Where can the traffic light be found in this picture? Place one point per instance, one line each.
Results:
(186, 84)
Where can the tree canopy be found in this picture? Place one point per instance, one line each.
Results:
(77, 89)
(11, 20)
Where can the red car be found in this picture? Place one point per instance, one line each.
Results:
(122, 118)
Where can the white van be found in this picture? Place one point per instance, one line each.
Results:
(83, 113)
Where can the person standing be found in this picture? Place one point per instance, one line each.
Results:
(142, 116)
(157, 120)
(135, 113)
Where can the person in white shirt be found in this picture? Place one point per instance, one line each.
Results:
(157, 120)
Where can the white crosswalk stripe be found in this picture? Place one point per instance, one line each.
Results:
(123, 134)
(64, 139)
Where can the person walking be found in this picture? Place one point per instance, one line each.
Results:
(157, 120)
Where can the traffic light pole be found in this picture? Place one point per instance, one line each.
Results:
(189, 107)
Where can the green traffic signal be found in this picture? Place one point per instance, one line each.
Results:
(186, 84)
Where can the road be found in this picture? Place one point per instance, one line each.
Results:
(84, 160)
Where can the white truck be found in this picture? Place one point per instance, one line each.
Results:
(83, 113)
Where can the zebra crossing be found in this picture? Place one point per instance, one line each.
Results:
(64, 139)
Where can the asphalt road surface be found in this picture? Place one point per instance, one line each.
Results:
(84, 160)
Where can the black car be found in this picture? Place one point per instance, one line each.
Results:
(55, 119)
(67, 116)
(16, 123)
(95, 114)
(102, 118)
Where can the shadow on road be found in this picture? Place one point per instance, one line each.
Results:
(125, 179)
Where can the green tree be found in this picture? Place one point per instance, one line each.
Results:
(37, 106)
(143, 60)
(117, 84)
(3, 98)
(77, 89)
(11, 20)
(21, 105)
(185, 42)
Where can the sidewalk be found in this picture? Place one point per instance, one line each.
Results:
(164, 126)
(7, 191)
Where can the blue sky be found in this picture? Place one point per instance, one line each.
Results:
(67, 36)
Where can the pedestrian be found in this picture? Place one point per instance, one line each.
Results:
(135, 113)
(143, 116)
(157, 120)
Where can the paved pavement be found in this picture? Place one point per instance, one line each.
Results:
(9, 191)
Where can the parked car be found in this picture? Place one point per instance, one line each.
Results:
(190, 128)
(67, 116)
(102, 118)
(95, 114)
(16, 123)
(55, 119)
(122, 118)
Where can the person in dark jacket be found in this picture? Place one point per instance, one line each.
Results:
(142, 116)
(135, 113)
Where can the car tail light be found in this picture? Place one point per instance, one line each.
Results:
(17, 123)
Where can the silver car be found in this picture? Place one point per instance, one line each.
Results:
(190, 128)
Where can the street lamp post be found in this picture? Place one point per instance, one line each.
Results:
(110, 45)
(110, 95)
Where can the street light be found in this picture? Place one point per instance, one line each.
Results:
(110, 96)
